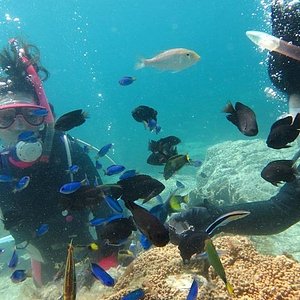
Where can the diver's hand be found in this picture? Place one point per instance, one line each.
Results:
(199, 217)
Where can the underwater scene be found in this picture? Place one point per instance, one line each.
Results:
(149, 149)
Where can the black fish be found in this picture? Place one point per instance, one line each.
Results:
(140, 187)
(278, 171)
(243, 117)
(89, 196)
(149, 225)
(157, 159)
(144, 113)
(192, 242)
(165, 145)
(117, 230)
(284, 131)
(174, 164)
(70, 120)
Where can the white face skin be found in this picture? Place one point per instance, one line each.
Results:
(9, 136)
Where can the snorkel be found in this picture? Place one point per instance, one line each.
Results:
(36, 82)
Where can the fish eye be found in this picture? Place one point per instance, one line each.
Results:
(187, 54)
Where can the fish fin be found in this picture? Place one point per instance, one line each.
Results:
(232, 119)
(229, 288)
(285, 121)
(140, 64)
(296, 122)
(228, 108)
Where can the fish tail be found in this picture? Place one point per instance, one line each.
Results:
(140, 64)
(228, 108)
(229, 288)
(296, 123)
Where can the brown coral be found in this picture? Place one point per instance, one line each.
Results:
(253, 276)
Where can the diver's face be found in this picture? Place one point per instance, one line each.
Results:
(14, 121)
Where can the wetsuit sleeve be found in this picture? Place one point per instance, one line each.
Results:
(266, 217)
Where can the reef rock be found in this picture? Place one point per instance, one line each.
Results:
(163, 276)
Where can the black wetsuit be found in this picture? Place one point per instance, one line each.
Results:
(283, 210)
(23, 212)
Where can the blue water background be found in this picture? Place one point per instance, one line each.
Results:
(88, 45)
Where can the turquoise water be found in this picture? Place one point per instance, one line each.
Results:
(88, 45)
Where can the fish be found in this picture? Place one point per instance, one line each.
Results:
(243, 117)
(14, 260)
(173, 60)
(125, 257)
(225, 219)
(101, 221)
(43, 229)
(73, 169)
(279, 171)
(72, 187)
(6, 178)
(127, 80)
(21, 184)
(113, 170)
(283, 132)
(69, 288)
(174, 164)
(157, 159)
(40, 112)
(70, 120)
(193, 292)
(144, 241)
(149, 225)
(144, 114)
(102, 275)
(128, 174)
(18, 276)
(134, 295)
(140, 187)
(89, 196)
(162, 149)
(215, 262)
(104, 150)
(117, 230)
(113, 204)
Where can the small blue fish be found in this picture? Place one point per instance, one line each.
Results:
(114, 169)
(40, 112)
(102, 275)
(22, 184)
(18, 276)
(14, 260)
(134, 295)
(126, 80)
(72, 187)
(26, 136)
(98, 165)
(146, 244)
(73, 169)
(195, 163)
(113, 204)
(103, 151)
(153, 126)
(157, 129)
(100, 221)
(193, 293)
(6, 178)
(128, 174)
(43, 229)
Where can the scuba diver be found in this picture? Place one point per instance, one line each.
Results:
(33, 163)
(282, 210)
